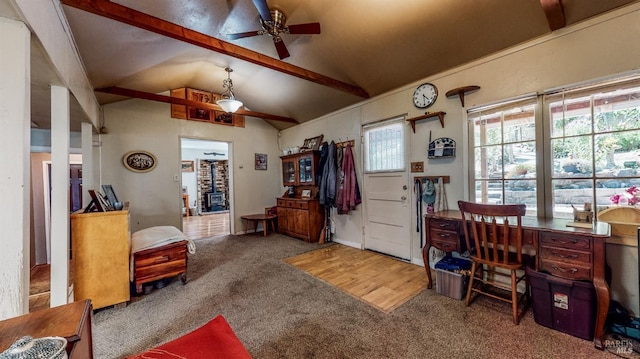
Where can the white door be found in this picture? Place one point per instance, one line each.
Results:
(386, 190)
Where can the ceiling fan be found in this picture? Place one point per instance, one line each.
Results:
(273, 24)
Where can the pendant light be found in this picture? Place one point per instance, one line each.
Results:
(228, 101)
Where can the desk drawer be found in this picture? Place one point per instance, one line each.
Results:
(281, 202)
(444, 224)
(290, 203)
(565, 270)
(565, 255)
(439, 234)
(565, 240)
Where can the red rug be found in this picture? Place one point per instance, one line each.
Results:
(215, 339)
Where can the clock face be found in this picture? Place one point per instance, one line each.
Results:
(425, 95)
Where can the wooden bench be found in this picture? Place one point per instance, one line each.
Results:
(267, 219)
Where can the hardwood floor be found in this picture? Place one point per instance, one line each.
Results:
(381, 281)
(206, 225)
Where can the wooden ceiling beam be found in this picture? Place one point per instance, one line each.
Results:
(554, 11)
(180, 101)
(147, 22)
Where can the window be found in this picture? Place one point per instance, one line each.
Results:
(504, 163)
(587, 143)
(384, 146)
(595, 144)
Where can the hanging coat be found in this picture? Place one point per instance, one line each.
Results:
(324, 152)
(350, 194)
(328, 183)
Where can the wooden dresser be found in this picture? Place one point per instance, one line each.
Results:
(565, 252)
(100, 243)
(71, 321)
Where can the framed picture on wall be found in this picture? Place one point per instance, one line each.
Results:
(261, 161)
(187, 166)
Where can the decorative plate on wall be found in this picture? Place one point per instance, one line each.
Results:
(139, 161)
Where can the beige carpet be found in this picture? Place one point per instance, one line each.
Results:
(380, 281)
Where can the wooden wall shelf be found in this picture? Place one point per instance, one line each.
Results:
(427, 115)
(461, 91)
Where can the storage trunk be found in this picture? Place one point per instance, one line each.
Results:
(565, 305)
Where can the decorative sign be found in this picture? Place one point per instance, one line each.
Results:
(139, 161)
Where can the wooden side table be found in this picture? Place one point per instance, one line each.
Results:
(267, 219)
(71, 321)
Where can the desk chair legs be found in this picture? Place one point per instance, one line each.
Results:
(516, 298)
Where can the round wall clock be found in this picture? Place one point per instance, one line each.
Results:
(139, 161)
(425, 95)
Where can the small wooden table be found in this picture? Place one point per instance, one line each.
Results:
(265, 218)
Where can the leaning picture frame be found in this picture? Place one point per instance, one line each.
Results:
(96, 201)
(312, 143)
(110, 194)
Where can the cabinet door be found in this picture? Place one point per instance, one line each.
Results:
(283, 219)
(289, 172)
(302, 222)
(306, 170)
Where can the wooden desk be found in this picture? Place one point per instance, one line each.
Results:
(255, 218)
(71, 321)
(566, 252)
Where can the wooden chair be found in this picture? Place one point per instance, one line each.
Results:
(495, 242)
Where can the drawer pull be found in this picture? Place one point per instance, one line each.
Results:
(572, 241)
(443, 225)
(572, 270)
(569, 256)
(161, 259)
(444, 235)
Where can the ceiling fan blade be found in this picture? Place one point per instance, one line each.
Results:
(310, 28)
(281, 48)
(240, 35)
(263, 9)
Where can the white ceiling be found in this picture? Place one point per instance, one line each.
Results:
(377, 45)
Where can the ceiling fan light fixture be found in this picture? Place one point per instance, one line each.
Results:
(228, 101)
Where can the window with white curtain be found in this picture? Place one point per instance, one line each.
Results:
(384, 146)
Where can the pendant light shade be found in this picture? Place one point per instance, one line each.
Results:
(228, 101)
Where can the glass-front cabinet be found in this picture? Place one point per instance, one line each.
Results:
(300, 169)
(289, 172)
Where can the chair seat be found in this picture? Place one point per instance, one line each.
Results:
(512, 260)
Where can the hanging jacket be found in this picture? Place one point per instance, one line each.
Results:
(350, 194)
(324, 152)
(328, 183)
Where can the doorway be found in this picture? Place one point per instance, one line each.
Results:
(206, 186)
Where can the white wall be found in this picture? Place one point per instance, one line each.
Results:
(154, 197)
(594, 49)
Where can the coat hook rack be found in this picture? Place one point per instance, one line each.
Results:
(434, 179)
(343, 144)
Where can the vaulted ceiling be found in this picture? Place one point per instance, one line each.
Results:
(365, 48)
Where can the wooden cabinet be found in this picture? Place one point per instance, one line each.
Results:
(71, 321)
(100, 257)
(300, 218)
(299, 169)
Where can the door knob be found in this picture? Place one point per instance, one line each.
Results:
(404, 187)
(403, 198)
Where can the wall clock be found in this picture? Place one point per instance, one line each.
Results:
(425, 95)
(139, 161)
